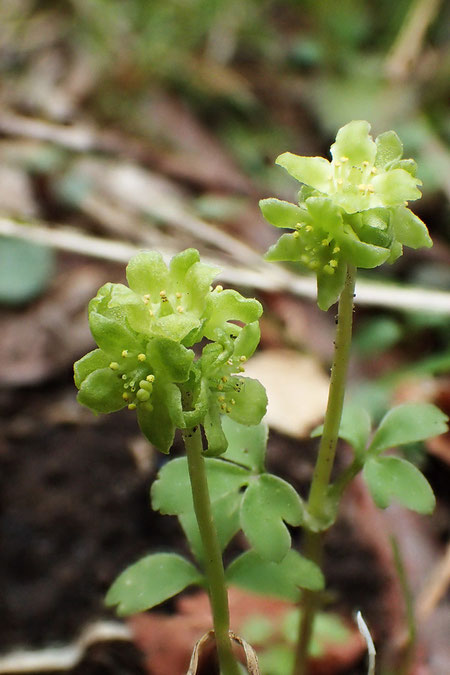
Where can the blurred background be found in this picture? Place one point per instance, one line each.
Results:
(128, 124)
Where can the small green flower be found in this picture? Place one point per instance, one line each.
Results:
(351, 210)
(363, 174)
(144, 332)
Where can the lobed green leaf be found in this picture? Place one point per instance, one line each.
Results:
(150, 581)
(408, 423)
(268, 503)
(391, 478)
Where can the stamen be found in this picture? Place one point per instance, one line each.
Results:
(114, 365)
(141, 357)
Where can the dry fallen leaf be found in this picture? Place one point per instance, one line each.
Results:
(297, 389)
(167, 641)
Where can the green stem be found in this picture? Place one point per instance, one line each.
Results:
(212, 561)
(317, 502)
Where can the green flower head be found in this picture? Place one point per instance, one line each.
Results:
(144, 332)
(352, 210)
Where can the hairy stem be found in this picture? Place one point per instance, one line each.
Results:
(317, 501)
(212, 560)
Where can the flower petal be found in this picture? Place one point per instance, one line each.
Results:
(409, 229)
(283, 214)
(147, 273)
(288, 248)
(329, 286)
(314, 171)
(101, 391)
(396, 186)
(353, 141)
(389, 149)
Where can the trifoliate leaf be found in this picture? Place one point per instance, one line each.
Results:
(268, 503)
(101, 391)
(150, 581)
(408, 423)
(394, 479)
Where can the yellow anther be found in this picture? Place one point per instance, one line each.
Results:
(333, 263)
(180, 310)
(241, 369)
(125, 353)
(295, 235)
(232, 401)
(219, 289)
(220, 386)
(373, 170)
(147, 296)
(328, 270)
(337, 164)
(224, 378)
(141, 357)
(146, 300)
(132, 406)
(336, 249)
(365, 163)
(223, 407)
(344, 159)
(325, 242)
(228, 410)
(114, 365)
(221, 398)
(230, 362)
(308, 228)
(124, 377)
(242, 359)
(150, 312)
(178, 295)
(370, 188)
(362, 187)
(340, 181)
(162, 294)
(125, 396)
(150, 378)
